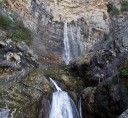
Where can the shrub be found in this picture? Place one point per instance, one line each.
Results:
(124, 72)
(21, 33)
(5, 22)
(124, 5)
(15, 30)
(113, 10)
(50, 73)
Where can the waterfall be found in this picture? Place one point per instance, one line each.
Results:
(62, 106)
(57, 87)
(66, 56)
(73, 44)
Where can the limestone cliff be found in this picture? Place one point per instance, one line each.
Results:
(100, 26)
(45, 18)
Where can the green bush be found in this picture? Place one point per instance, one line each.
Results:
(20, 33)
(15, 30)
(124, 72)
(5, 22)
(124, 5)
(113, 10)
(50, 73)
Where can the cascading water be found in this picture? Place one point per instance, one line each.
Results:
(73, 45)
(62, 106)
(67, 55)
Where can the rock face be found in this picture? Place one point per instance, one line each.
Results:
(108, 100)
(24, 98)
(103, 37)
(15, 57)
(88, 19)
(105, 93)
(103, 62)
(22, 87)
(92, 11)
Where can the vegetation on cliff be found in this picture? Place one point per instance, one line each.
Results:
(15, 29)
(113, 10)
(124, 5)
(124, 70)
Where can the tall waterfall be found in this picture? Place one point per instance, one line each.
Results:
(62, 106)
(73, 45)
(67, 55)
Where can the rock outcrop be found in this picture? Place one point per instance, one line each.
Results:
(105, 93)
(22, 86)
(108, 100)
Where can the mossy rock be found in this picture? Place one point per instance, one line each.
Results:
(24, 96)
(15, 29)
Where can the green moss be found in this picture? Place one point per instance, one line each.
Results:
(15, 30)
(113, 10)
(124, 72)
(5, 22)
(124, 5)
(20, 33)
(51, 73)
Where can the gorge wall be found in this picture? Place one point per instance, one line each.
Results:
(45, 19)
(99, 25)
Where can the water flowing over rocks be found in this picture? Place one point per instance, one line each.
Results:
(62, 105)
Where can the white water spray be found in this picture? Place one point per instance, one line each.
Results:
(62, 106)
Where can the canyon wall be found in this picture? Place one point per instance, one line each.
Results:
(46, 20)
